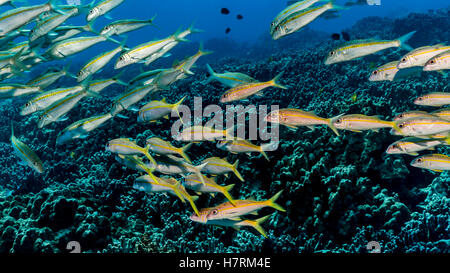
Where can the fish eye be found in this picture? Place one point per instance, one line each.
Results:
(91, 11)
(419, 160)
(400, 116)
(121, 58)
(332, 53)
(395, 146)
(28, 104)
(215, 212)
(420, 98)
(375, 72)
(432, 62)
(404, 60)
(401, 125)
(339, 121)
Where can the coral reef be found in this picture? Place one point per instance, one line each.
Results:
(339, 192)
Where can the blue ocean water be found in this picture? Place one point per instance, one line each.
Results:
(326, 192)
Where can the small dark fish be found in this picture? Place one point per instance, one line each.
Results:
(239, 17)
(346, 36)
(336, 36)
(227, 30)
(225, 11)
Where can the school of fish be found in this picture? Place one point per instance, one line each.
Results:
(52, 39)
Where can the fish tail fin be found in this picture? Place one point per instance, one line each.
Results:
(270, 147)
(177, 105)
(54, 6)
(274, 82)
(118, 80)
(226, 193)
(202, 51)
(148, 155)
(271, 202)
(183, 152)
(257, 224)
(331, 125)
(176, 190)
(212, 74)
(16, 61)
(151, 20)
(67, 72)
(192, 29)
(236, 172)
(89, 27)
(402, 41)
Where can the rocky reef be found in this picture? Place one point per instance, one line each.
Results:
(340, 192)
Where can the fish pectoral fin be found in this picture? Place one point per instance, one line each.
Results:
(213, 195)
(260, 94)
(23, 163)
(166, 117)
(236, 219)
(134, 108)
(414, 154)
(356, 131)
(63, 118)
(311, 127)
(254, 213)
(226, 175)
(439, 171)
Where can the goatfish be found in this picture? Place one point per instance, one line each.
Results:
(186, 64)
(390, 72)
(237, 223)
(131, 97)
(26, 155)
(97, 63)
(17, 90)
(182, 190)
(244, 146)
(123, 26)
(194, 183)
(58, 110)
(81, 128)
(360, 48)
(162, 147)
(147, 77)
(412, 114)
(73, 46)
(48, 24)
(156, 110)
(229, 79)
(203, 133)
(44, 100)
(67, 32)
(293, 118)
(99, 85)
(102, 8)
(49, 77)
(436, 99)
(167, 77)
(420, 56)
(219, 166)
(125, 146)
(359, 123)
(240, 208)
(421, 126)
(413, 145)
(145, 50)
(166, 48)
(148, 184)
(170, 164)
(13, 60)
(15, 18)
(439, 62)
(442, 113)
(296, 21)
(291, 9)
(433, 162)
(246, 90)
